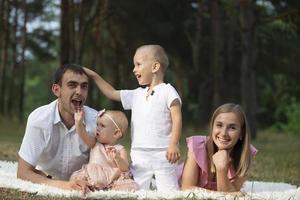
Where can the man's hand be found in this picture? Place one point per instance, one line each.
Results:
(74, 185)
(173, 153)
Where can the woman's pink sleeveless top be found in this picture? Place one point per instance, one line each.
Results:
(197, 146)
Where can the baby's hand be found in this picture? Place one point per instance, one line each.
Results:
(173, 153)
(113, 153)
(78, 116)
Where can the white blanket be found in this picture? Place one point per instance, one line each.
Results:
(254, 189)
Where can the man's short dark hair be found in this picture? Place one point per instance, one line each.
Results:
(61, 70)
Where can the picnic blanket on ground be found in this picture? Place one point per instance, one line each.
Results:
(254, 189)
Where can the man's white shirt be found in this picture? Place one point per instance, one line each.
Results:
(49, 146)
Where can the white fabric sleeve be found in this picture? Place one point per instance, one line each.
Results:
(32, 145)
(127, 98)
(172, 95)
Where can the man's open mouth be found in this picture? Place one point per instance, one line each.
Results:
(77, 103)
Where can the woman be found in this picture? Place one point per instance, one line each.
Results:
(220, 161)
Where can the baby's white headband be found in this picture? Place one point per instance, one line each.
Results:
(102, 112)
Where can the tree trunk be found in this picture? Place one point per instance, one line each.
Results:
(2, 38)
(195, 41)
(11, 85)
(179, 74)
(199, 88)
(216, 56)
(22, 62)
(64, 32)
(231, 58)
(113, 75)
(97, 52)
(248, 82)
(80, 33)
(76, 18)
(1, 27)
(4, 56)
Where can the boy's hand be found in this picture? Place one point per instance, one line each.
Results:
(173, 153)
(90, 73)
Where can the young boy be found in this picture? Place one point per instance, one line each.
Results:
(155, 121)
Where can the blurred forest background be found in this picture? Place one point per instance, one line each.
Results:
(242, 51)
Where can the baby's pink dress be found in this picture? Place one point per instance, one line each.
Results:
(102, 173)
(197, 146)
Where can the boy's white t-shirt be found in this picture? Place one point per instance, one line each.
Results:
(150, 117)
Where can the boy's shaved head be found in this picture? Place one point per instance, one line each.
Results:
(158, 53)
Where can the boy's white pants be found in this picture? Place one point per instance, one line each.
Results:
(146, 163)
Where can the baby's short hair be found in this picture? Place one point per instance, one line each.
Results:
(158, 53)
(120, 118)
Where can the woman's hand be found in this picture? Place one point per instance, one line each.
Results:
(221, 160)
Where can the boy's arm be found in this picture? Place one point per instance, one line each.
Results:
(173, 153)
(107, 89)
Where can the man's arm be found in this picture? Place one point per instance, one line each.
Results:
(107, 89)
(27, 172)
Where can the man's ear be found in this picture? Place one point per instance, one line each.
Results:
(156, 66)
(56, 90)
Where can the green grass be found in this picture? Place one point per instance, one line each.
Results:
(11, 134)
(278, 159)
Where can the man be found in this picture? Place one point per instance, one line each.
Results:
(51, 149)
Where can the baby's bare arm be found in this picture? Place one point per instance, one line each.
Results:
(80, 129)
(120, 158)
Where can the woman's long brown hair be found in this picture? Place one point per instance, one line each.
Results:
(240, 154)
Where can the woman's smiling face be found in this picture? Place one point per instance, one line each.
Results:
(226, 130)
